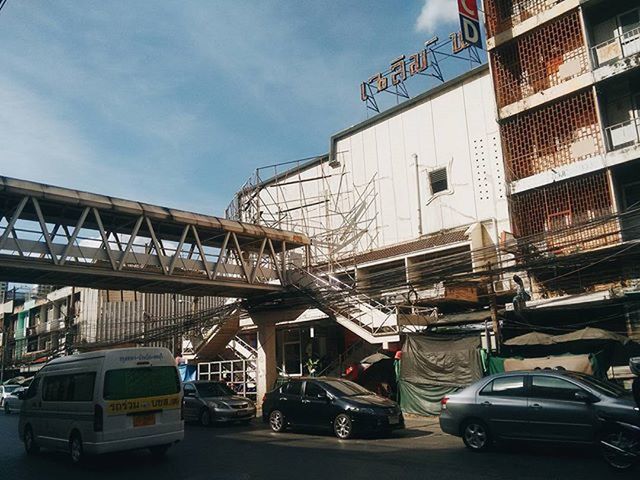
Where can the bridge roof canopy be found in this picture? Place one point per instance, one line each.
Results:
(59, 202)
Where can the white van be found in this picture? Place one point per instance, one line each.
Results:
(105, 401)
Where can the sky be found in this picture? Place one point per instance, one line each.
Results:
(177, 102)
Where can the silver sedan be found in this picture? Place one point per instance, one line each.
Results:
(215, 402)
(540, 405)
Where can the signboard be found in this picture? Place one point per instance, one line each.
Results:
(423, 62)
(470, 22)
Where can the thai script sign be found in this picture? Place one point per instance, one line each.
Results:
(423, 62)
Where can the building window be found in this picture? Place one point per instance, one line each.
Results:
(438, 180)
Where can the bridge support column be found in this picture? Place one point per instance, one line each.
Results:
(267, 363)
(267, 367)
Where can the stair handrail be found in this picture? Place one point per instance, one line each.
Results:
(348, 292)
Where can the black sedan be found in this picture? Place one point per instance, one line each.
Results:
(215, 402)
(331, 403)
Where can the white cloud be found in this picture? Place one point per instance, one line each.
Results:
(436, 12)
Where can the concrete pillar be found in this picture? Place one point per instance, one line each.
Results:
(267, 366)
(267, 369)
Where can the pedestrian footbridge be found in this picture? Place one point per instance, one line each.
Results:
(59, 236)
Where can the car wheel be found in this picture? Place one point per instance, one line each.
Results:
(30, 444)
(76, 452)
(277, 421)
(205, 418)
(342, 427)
(159, 451)
(475, 436)
(612, 446)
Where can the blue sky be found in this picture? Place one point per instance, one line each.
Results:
(177, 102)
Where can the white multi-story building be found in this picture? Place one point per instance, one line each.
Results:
(398, 196)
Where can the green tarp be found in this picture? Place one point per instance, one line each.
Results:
(434, 366)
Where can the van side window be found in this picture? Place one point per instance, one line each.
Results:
(77, 387)
(33, 388)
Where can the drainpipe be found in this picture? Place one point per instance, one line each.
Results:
(415, 159)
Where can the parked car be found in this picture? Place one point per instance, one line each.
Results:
(540, 405)
(5, 391)
(13, 401)
(215, 402)
(104, 401)
(331, 403)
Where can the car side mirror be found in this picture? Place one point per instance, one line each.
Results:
(323, 395)
(583, 397)
(20, 395)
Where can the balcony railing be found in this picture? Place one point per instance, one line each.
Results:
(505, 14)
(623, 134)
(583, 144)
(531, 81)
(616, 48)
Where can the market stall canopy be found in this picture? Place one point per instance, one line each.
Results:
(533, 338)
(376, 357)
(591, 333)
(588, 333)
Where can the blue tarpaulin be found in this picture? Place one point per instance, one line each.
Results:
(187, 372)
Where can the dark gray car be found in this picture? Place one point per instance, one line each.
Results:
(543, 405)
(215, 402)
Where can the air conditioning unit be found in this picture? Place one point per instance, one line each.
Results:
(503, 286)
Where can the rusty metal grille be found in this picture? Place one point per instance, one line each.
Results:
(543, 58)
(563, 217)
(505, 14)
(558, 134)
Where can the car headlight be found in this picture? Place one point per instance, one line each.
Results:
(367, 411)
(217, 404)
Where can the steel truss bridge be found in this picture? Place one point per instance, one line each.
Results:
(58, 236)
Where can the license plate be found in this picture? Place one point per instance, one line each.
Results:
(394, 419)
(144, 420)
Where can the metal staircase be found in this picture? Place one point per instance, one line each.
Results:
(366, 317)
(242, 349)
(217, 338)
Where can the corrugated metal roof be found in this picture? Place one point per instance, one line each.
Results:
(432, 241)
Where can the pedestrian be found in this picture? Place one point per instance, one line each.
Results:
(180, 359)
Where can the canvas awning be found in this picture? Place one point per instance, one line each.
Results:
(588, 333)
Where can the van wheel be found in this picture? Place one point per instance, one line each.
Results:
(159, 451)
(30, 444)
(205, 418)
(75, 448)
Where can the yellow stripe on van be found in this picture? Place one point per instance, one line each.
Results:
(163, 402)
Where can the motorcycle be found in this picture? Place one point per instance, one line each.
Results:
(620, 445)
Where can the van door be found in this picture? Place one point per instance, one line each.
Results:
(141, 400)
(31, 408)
(67, 402)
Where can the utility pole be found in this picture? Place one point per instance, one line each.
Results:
(494, 310)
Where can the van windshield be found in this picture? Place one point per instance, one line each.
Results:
(126, 383)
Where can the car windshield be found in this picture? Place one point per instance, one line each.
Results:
(601, 386)
(11, 388)
(345, 388)
(213, 389)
